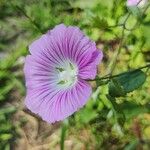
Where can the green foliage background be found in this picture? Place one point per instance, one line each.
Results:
(124, 124)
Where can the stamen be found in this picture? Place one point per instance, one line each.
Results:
(67, 74)
(71, 66)
(60, 69)
(62, 82)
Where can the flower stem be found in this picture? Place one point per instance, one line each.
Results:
(63, 134)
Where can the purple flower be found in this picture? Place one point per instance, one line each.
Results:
(140, 3)
(56, 71)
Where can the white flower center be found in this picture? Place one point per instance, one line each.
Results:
(67, 74)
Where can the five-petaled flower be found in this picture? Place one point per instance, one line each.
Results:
(56, 71)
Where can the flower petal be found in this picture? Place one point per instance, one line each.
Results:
(48, 46)
(38, 74)
(59, 105)
(89, 70)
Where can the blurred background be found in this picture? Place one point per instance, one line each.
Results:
(96, 126)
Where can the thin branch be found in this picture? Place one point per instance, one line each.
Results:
(114, 61)
(118, 52)
(113, 76)
(113, 65)
(138, 23)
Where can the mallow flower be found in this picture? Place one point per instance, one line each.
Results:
(140, 3)
(56, 72)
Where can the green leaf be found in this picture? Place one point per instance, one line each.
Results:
(116, 89)
(6, 89)
(126, 82)
(7, 147)
(131, 109)
(119, 114)
(86, 115)
(7, 110)
(4, 74)
(5, 136)
(100, 23)
(4, 127)
(132, 146)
